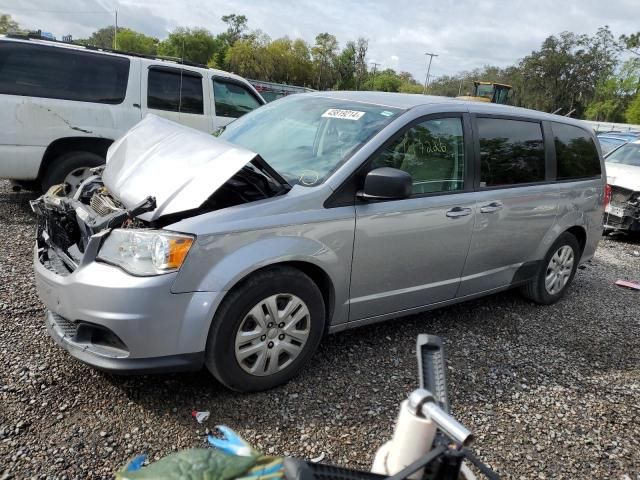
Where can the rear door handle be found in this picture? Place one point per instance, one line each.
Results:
(492, 207)
(458, 212)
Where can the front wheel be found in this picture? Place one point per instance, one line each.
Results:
(556, 273)
(265, 330)
(71, 168)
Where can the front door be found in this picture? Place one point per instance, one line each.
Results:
(410, 253)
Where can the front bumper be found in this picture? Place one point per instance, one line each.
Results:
(118, 322)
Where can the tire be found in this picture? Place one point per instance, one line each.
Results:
(536, 289)
(66, 163)
(228, 357)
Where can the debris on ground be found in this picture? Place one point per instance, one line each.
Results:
(628, 284)
(200, 416)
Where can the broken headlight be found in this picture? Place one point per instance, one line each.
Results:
(145, 252)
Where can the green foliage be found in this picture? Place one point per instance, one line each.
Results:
(193, 44)
(633, 111)
(7, 24)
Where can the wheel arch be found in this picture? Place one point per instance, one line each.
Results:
(60, 146)
(317, 274)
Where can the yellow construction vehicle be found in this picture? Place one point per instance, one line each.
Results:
(489, 92)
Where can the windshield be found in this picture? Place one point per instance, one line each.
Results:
(306, 138)
(628, 154)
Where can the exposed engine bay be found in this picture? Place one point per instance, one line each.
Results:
(67, 223)
(623, 211)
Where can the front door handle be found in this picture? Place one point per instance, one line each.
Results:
(492, 207)
(458, 212)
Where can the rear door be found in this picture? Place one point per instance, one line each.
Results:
(410, 253)
(516, 203)
(231, 99)
(176, 94)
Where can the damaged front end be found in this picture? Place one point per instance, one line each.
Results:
(67, 225)
(157, 174)
(623, 210)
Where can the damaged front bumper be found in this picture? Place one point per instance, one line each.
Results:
(623, 211)
(106, 317)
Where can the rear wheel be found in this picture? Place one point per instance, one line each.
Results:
(71, 168)
(557, 271)
(266, 330)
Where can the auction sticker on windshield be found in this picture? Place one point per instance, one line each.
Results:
(344, 114)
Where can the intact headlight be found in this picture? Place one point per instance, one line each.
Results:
(145, 252)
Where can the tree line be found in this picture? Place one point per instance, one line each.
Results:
(586, 76)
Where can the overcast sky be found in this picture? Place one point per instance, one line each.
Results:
(465, 34)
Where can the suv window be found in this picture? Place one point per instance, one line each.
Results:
(576, 152)
(432, 152)
(163, 91)
(232, 99)
(511, 152)
(62, 73)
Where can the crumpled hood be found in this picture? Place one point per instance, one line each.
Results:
(625, 176)
(179, 166)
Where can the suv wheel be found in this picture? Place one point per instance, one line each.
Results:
(265, 330)
(72, 168)
(557, 272)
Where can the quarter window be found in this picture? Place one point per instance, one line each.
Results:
(511, 152)
(62, 73)
(232, 99)
(576, 152)
(432, 152)
(174, 91)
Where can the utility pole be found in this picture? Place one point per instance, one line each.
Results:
(115, 33)
(426, 79)
(374, 67)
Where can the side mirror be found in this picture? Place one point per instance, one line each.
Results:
(387, 183)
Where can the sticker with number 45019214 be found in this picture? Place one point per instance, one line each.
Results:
(343, 114)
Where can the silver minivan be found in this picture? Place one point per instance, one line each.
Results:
(315, 213)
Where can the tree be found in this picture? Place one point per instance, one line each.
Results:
(247, 57)
(345, 67)
(128, 40)
(385, 81)
(361, 73)
(324, 53)
(632, 114)
(193, 44)
(102, 38)
(236, 26)
(7, 24)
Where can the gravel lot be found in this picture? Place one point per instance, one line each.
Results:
(551, 392)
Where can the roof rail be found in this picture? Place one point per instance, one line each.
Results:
(34, 36)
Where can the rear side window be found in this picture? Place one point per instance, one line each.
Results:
(576, 152)
(511, 152)
(62, 73)
(173, 90)
(232, 99)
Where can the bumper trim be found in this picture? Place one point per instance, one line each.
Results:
(124, 365)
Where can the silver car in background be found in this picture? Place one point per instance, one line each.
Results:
(315, 213)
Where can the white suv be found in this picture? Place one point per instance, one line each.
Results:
(62, 105)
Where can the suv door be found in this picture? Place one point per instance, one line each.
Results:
(411, 252)
(176, 94)
(516, 203)
(231, 100)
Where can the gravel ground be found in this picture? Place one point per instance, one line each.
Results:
(551, 392)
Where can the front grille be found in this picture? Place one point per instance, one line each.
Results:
(67, 327)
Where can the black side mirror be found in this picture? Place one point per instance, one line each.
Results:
(387, 183)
